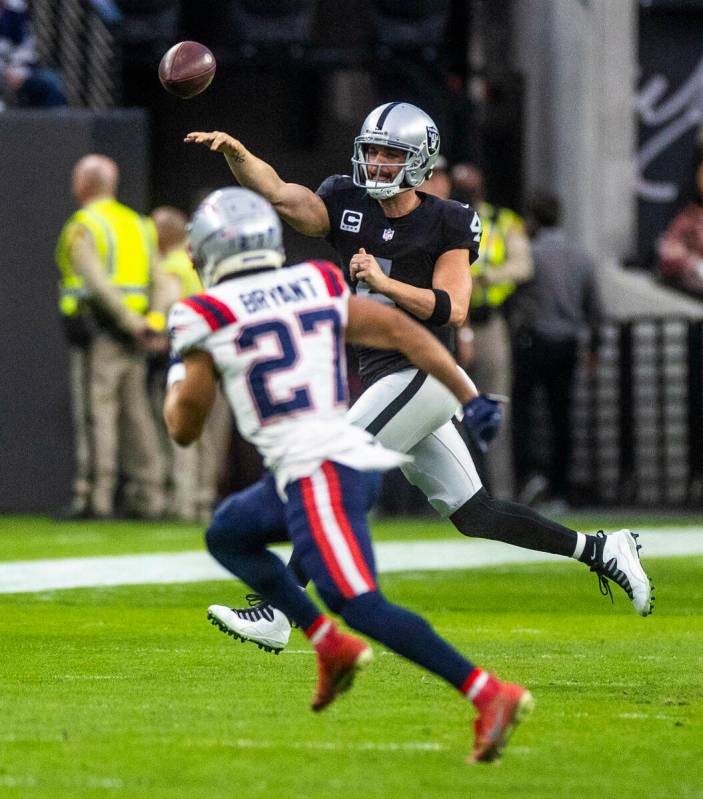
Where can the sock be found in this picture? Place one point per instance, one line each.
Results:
(319, 631)
(480, 688)
(295, 567)
(586, 549)
(407, 634)
(265, 573)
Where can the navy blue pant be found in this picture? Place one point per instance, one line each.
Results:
(325, 518)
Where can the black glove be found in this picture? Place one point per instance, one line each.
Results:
(482, 418)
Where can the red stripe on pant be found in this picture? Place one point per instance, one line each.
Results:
(342, 520)
(323, 544)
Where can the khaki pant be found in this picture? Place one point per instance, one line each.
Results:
(491, 370)
(122, 430)
(196, 469)
(78, 358)
(193, 472)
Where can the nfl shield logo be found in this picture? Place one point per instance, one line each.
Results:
(388, 234)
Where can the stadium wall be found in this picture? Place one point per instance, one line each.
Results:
(579, 63)
(38, 151)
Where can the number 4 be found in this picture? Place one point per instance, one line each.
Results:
(476, 228)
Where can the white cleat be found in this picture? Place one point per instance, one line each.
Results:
(262, 624)
(619, 561)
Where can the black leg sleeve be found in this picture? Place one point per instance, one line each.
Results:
(485, 517)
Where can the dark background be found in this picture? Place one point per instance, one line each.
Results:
(283, 100)
(37, 152)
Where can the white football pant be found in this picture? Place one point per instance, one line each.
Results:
(413, 413)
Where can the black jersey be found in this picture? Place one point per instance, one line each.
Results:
(406, 248)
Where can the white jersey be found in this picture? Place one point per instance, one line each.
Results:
(276, 337)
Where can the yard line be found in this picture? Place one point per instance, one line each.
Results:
(391, 556)
(342, 746)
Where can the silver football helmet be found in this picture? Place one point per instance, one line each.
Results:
(234, 229)
(405, 127)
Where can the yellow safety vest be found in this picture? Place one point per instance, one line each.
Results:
(497, 224)
(178, 263)
(126, 245)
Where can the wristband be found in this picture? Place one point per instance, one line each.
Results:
(176, 373)
(442, 308)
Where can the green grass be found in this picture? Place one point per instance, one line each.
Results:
(129, 692)
(32, 537)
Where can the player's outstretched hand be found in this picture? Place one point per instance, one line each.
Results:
(482, 419)
(216, 140)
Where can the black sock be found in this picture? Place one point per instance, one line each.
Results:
(590, 554)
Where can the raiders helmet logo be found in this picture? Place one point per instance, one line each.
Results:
(432, 140)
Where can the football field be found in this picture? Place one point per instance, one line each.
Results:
(126, 690)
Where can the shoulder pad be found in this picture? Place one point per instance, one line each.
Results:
(332, 275)
(188, 328)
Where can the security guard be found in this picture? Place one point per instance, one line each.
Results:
(192, 472)
(107, 261)
(484, 345)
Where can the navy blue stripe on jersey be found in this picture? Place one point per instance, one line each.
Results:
(398, 403)
(384, 115)
(216, 313)
(332, 276)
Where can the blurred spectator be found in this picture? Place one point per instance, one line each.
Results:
(106, 256)
(484, 348)
(681, 247)
(23, 82)
(439, 184)
(549, 315)
(192, 472)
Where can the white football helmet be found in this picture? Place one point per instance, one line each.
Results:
(405, 127)
(232, 230)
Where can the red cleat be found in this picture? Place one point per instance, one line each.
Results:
(339, 658)
(496, 723)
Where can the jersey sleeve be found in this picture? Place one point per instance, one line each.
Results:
(187, 328)
(462, 229)
(328, 191)
(333, 276)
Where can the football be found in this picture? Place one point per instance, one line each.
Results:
(187, 69)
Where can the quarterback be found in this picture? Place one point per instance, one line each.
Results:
(422, 247)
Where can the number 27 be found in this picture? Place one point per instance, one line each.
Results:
(259, 372)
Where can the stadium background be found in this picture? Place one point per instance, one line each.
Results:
(579, 96)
